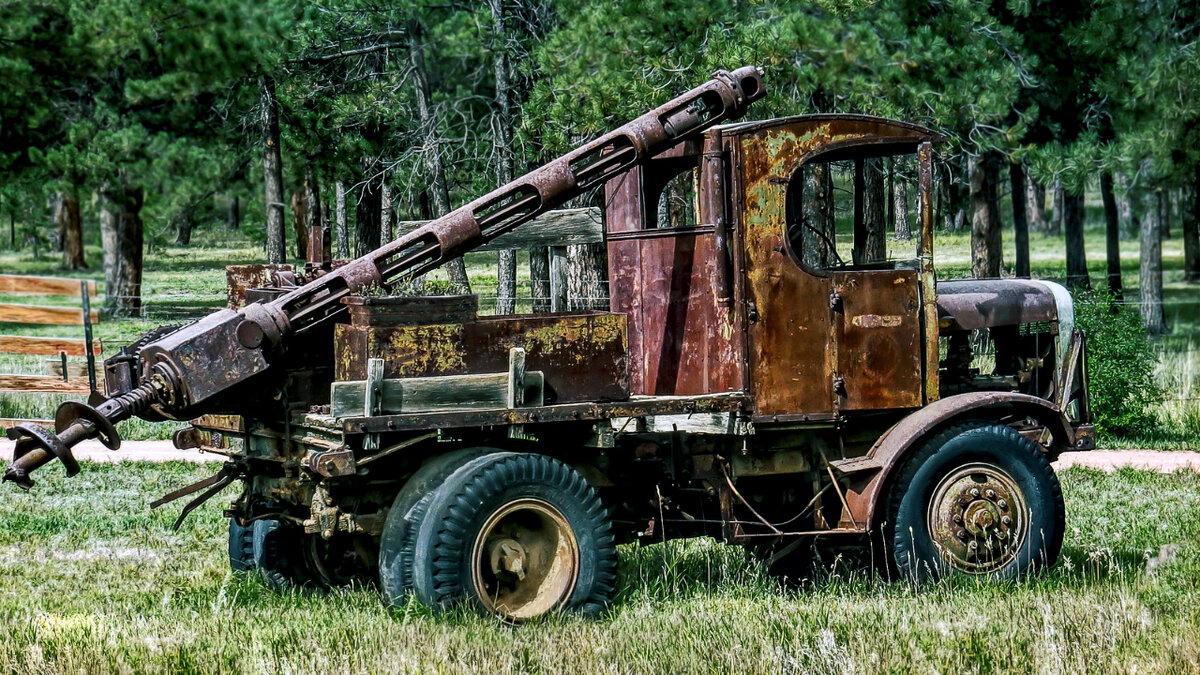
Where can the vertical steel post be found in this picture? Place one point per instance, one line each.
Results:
(87, 337)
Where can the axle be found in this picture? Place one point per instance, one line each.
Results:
(190, 371)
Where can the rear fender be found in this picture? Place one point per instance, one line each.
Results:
(870, 475)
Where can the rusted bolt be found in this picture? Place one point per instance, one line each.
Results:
(991, 494)
(962, 534)
(975, 492)
(1002, 504)
(972, 546)
(958, 517)
(391, 424)
(1006, 520)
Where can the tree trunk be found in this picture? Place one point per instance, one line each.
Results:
(1130, 228)
(316, 217)
(1056, 209)
(860, 216)
(1016, 175)
(432, 151)
(72, 228)
(343, 238)
(272, 173)
(817, 250)
(233, 216)
(875, 210)
(387, 214)
(506, 265)
(1036, 203)
(183, 229)
(300, 220)
(1150, 268)
(121, 235)
(367, 226)
(903, 226)
(1164, 213)
(1112, 235)
(1191, 230)
(1072, 223)
(985, 227)
(539, 279)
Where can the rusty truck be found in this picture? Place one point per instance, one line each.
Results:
(748, 382)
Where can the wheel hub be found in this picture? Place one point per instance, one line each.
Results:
(977, 518)
(526, 560)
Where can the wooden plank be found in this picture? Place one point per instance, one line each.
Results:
(12, 283)
(514, 396)
(9, 422)
(434, 394)
(75, 370)
(42, 384)
(66, 316)
(564, 227)
(47, 346)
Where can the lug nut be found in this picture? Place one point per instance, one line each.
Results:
(975, 492)
(1002, 504)
(1005, 520)
(962, 534)
(958, 517)
(991, 494)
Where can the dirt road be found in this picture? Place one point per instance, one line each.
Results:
(1105, 460)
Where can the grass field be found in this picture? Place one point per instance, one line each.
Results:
(92, 581)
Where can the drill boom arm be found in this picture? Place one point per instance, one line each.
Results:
(191, 366)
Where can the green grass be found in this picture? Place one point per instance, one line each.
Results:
(95, 582)
(183, 283)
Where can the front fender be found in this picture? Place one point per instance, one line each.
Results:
(869, 475)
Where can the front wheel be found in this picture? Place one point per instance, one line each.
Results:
(977, 499)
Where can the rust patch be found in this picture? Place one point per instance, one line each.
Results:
(583, 356)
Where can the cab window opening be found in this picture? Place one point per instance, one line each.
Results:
(853, 213)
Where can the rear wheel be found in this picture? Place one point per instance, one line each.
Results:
(517, 535)
(279, 555)
(977, 499)
(404, 520)
(241, 547)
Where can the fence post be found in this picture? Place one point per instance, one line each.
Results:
(87, 336)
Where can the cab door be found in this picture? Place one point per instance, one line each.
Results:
(829, 329)
(877, 334)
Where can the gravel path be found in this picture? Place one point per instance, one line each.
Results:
(1105, 460)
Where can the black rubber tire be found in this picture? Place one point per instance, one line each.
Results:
(279, 556)
(914, 554)
(241, 547)
(442, 565)
(404, 521)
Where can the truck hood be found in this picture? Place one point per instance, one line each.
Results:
(968, 304)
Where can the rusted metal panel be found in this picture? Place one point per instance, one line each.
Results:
(968, 304)
(239, 278)
(787, 308)
(794, 352)
(683, 342)
(233, 423)
(879, 340)
(583, 356)
(408, 310)
(682, 339)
